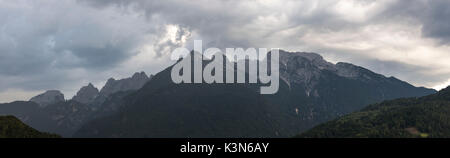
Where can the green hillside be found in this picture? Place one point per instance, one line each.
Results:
(11, 127)
(423, 117)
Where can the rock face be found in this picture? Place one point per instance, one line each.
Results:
(86, 94)
(135, 82)
(62, 118)
(11, 127)
(306, 68)
(48, 98)
(311, 91)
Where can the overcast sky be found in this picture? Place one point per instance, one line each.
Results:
(65, 44)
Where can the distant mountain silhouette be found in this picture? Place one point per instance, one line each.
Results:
(48, 98)
(86, 94)
(11, 127)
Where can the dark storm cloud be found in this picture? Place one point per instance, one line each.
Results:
(52, 44)
(432, 15)
(33, 41)
(436, 22)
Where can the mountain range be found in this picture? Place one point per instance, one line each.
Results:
(312, 91)
(50, 112)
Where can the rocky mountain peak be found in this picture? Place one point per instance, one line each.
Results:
(48, 98)
(301, 67)
(140, 75)
(307, 68)
(86, 94)
(111, 80)
(133, 83)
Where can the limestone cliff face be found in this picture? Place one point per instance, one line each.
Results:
(311, 91)
(48, 98)
(86, 94)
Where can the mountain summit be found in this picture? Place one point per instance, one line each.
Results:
(311, 91)
(86, 94)
(133, 83)
(400, 118)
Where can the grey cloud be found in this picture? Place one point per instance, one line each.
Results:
(432, 15)
(96, 58)
(41, 44)
(211, 19)
(214, 19)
